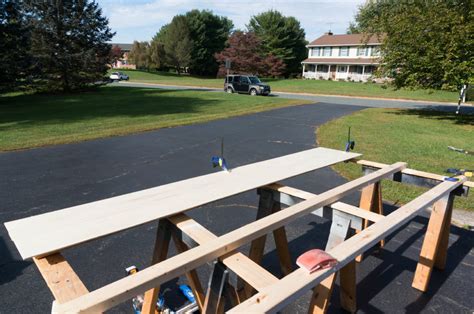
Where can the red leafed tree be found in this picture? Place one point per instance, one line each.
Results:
(245, 53)
(115, 53)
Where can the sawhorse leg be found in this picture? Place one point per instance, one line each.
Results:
(267, 206)
(371, 200)
(322, 292)
(435, 244)
(162, 241)
(218, 289)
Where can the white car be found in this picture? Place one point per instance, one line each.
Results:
(118, 76)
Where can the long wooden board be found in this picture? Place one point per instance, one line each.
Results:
(123, 289)
(43, 234)
(288, 289)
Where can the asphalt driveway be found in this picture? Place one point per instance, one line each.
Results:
(46, 179)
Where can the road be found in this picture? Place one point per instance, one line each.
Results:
(45, 179)
(341, 100)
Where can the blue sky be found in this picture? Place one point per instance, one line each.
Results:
(141, 19)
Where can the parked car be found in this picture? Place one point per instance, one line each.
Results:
(246, 84)
(118, 76)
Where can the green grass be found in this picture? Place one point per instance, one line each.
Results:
(419, 137)
(28, 121)
(303, 86)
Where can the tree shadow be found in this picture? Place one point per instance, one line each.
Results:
(103, 103)
(444, 113)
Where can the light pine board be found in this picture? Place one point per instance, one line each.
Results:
(43, 234)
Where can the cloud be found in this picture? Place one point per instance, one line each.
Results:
(141, 19)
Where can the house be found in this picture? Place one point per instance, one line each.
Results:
(124, 61)
(353, 57)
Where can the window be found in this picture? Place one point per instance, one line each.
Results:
(323, 68)
(375, 51)
(362, 51)
(327, 51)
(244, 80)
(342, 68)
(315, 52)
(343, 51)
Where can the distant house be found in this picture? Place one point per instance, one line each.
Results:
(342, 57)
(124, 62)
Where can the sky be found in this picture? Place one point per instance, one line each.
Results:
(141, 19)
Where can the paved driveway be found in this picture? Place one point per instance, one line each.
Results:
(45, 179)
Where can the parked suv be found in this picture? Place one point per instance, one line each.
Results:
(247, 84)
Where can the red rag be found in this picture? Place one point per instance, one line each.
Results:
(315, 259)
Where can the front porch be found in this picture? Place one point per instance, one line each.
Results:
(357, 73)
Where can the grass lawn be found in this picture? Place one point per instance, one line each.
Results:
(36, 120)
(302, 86)
(419, 137)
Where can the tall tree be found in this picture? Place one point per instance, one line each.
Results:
(157, 49)
(14, 45)
(209, 33)
(428, 44)
(177, 43)
(140, 54)
(282, 37)
(69, 43)
(245, 53)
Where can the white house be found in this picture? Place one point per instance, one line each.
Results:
(342, 57)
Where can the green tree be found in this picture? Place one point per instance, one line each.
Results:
(69, 43)
(14, 45)
(282, 37)
(209, 33)
(140, 54)
(427, 44)
(157, 49)
(177, 43)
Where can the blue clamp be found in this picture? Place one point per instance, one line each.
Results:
(219, 162)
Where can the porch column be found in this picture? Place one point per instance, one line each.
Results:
(363, 69)
(303, 68)
(329, 71)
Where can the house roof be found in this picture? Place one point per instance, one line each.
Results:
(124, 47)
(343, 61)
(346, 40)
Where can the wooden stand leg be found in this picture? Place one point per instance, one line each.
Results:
(215, 289)
(163, 237)
(281, 243)
(192, 276)
(348, 287)
(322, 292)
(440, 260)
(371, 200)
(434, 237)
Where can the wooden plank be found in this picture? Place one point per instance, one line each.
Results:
(254, 274)
(413, 172)
(347, 276)
(432, 242)
(440, 260)
(160, 251)
(123, 289)
(340, 206)
(61, 279)
(54, 231)
(291, 287)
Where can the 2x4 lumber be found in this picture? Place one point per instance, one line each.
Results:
(123, 289)
(61, 279)
(50, 232)
(412, 172)
(340, 206)
(255, 275)
(291, 287)
(160, 251)
(432, 241)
